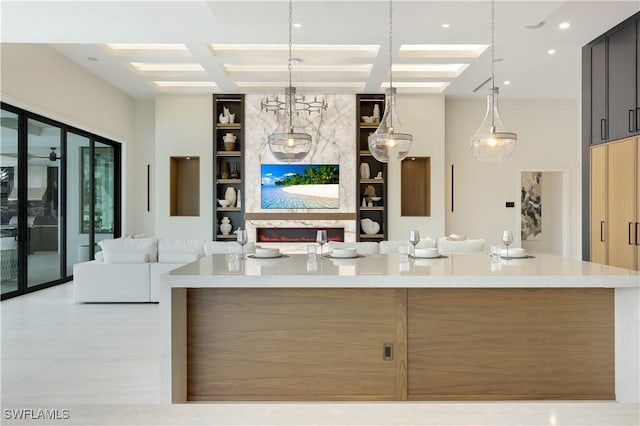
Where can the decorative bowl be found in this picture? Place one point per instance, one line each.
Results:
(224, 203)
(376, 198)
(368, 119)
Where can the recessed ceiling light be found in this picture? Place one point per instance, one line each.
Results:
(564, 25)
(301, 68)
(418, 86)
(429, 70)
(350, 50)
(186, 84)
(507, 82)
(551, 51)
(442, 50)
(92, 59)
(163, 49)
(166, 67)
(333, 86)
(297, 25)
(446, 25)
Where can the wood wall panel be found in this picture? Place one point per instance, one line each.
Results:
(510, 344)
(293, 344)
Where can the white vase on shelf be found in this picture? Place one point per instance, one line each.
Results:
(376, 113)
(225, 226)
(369, 226)
(239, 199)
(365, 171)
(230, 195)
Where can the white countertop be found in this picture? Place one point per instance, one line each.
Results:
(471, 270)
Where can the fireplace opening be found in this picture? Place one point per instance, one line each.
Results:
(296, 235)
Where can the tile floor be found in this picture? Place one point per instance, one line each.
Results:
(101, 362)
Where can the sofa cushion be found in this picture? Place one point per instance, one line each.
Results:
(170, 247)
(446, 245)
(222, 247)
(149, 246)
(177, 257)
(115, 257)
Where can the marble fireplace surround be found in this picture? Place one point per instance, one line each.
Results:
(333, 134)
(345, 221)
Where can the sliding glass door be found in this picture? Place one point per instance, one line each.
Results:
(9, 170)
(59, 194)
(44, 252)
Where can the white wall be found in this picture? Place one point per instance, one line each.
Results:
(39, 79)
(184, 127)
(548, 140)
(423, 117)
(144, 151)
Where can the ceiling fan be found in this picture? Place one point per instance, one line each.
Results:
(52, 156)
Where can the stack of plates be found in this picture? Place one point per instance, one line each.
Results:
(344, 253)
(513, 252)
(267, 253)
(427, 253)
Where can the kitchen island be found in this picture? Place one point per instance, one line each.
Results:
(464, 327)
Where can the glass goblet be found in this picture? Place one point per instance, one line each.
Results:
(414, 239)
(241, 238)
(507, 239)
(321, 238)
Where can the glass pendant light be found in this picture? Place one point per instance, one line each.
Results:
(285, 143)
(493, 141)
(386, 143)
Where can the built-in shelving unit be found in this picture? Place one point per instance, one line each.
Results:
(228, 161)
(377, 211)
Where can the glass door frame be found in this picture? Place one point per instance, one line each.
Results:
(22, 176)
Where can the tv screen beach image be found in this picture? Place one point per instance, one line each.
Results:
(300, 186)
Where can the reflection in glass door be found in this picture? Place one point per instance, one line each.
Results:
(104, 188)
(9, 201)
(43, 202)
(77, 174)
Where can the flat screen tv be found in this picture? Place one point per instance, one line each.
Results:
(300, 186)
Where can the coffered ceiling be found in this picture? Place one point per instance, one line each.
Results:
(339, 46)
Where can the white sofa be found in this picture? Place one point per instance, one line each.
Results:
(129, 269)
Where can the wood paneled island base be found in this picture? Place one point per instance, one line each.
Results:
(399, 344)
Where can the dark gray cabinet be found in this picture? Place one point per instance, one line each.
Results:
(599, 122)
(622, 83)
(610, 99)
(638, 75)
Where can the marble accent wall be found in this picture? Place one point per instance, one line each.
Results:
(333, 135)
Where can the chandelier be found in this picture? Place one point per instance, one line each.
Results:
(493, 141)
(386, 143)
(287, 144)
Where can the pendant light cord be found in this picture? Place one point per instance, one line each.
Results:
(291, 96)
(391, 96)
(493, 60)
